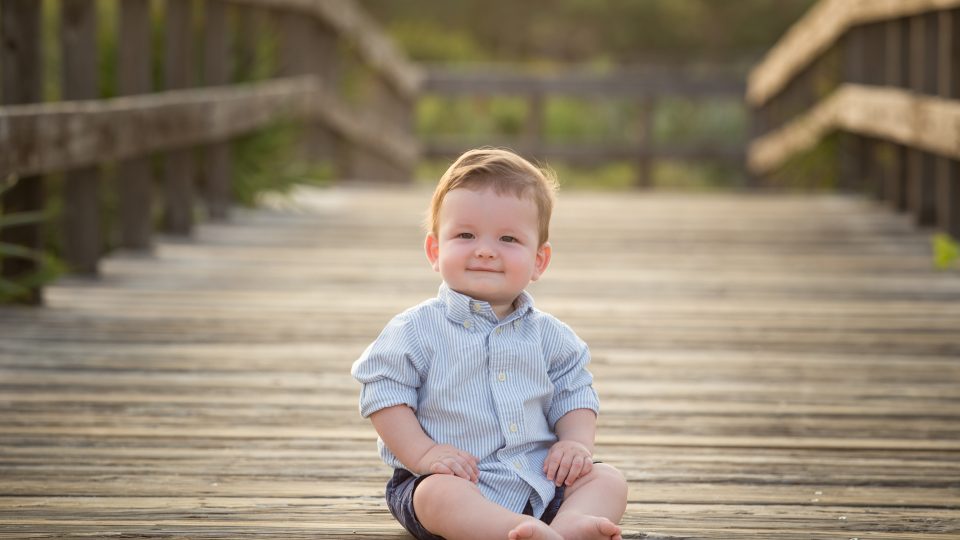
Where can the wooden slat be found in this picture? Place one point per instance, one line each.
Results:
(769, 366)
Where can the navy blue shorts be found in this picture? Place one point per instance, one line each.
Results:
(399, 496)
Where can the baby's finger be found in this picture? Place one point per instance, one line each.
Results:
(576, 468)
(458, 470)
(471, 463)
(563, 470)
(473, 472)
(551, 464)
(587, 466)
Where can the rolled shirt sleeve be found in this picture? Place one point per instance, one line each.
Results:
(572, 381)
(390, 368)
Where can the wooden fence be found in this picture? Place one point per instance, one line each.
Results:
(886, 74)
(647, 88)
(191, 117)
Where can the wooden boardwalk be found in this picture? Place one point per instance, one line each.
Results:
(772, 366)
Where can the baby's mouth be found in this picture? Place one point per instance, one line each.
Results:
(483, 269)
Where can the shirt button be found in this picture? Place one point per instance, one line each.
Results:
(499, 330)
(516, 323)
(501, 376)
(517, 464)
(513, 428)
(467, 324)
(477, 308)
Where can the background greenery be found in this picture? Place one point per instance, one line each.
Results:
(598, 36)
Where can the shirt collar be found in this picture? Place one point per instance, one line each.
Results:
(460, 307)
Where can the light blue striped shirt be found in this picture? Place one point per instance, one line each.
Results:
(492, 388)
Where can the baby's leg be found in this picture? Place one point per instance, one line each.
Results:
(452, 507)
(593, 505)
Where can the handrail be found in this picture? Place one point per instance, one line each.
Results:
(928, 123)
(373, 139)
(49, 137)
(885, 74)
(816, 31)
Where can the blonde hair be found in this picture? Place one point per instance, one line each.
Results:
(505, 172)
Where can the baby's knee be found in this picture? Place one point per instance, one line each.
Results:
(610, 477)
(439, 491)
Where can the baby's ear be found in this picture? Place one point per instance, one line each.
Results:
(431, 246)
(542, 261)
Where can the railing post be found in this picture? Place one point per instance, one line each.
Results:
(897, 76)
(81, 187)
(853, 149)
(920, 178)
(21, 75)
(948, 86)
(533, 125)
(135, 184)
(873, 57)
(645, 125)
(216, 70)
(180, 163)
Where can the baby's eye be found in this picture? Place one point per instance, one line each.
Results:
(508, 238)
(465, 235)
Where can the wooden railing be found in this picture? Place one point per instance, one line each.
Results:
(647, 88)
(189, 121)
(884, 73)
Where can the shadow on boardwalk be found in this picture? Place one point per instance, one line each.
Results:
(781, 367)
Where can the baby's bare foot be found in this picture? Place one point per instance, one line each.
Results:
(576, 526)
(533, 529)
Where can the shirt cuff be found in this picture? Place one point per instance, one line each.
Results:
(584, 399)
(385, 393)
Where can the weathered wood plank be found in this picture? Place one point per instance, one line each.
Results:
(774, 367)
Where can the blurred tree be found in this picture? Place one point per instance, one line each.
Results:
(603, 32)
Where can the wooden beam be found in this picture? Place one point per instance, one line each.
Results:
(58, 136)
(81, 187)
(217, 164)
(924, 122)
(21, 79)
(660, 82)
(816, 31)
(135, 176)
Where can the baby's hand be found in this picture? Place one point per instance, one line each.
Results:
(446, 459)
(567, 461)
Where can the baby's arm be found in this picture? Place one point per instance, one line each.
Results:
(403, 435)
(572, 455)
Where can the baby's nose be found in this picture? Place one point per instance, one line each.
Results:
(484, 252)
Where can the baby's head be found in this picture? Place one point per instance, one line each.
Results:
(505, 173)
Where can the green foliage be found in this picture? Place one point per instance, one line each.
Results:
(946, 251)
(621, 32)
(813, 170)
(429, 41)
(48, 269)
(266, 161)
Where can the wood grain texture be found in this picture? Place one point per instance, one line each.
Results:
(769, 366)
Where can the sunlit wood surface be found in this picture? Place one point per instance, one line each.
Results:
(769, 367)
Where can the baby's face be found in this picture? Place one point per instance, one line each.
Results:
(487, 245)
